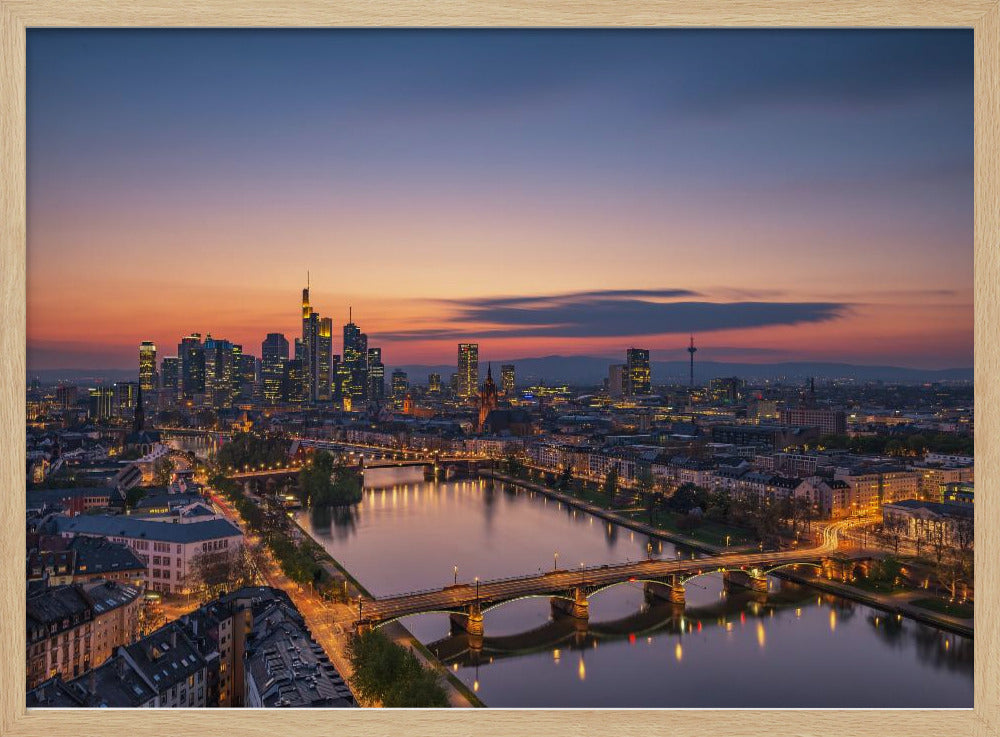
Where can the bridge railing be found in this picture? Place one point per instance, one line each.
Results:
(511, 579)
(709, 564)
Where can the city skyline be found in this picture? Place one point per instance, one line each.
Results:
(476, 187)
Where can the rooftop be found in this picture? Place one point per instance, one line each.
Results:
(123, 526)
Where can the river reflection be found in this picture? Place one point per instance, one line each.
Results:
(791, 647)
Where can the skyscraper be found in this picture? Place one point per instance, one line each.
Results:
(322, 378)
(221, 362)
(616, 380)
(434, 383)
(400, 385)
(147, 365)
(356, 363)
(192, 357)
(293, 386)
(101, 406)
(310, 330)
(507, 381)
(273, 357)
(376, 375)
(247, 376)
(638, 380)
(170, 372)
(125, 398)
(468, 370)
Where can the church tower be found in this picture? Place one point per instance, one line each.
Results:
(487, 398)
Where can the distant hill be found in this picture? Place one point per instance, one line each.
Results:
(590, 370)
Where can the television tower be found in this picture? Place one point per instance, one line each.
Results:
(692, 350)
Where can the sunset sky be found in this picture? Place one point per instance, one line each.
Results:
(783, 195)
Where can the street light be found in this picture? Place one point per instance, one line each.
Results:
(555, 561)
(456, 575)
(477, 590)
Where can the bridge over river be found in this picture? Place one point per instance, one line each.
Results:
(576, 634)
(569, 590)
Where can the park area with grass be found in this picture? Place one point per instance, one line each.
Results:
(963, 610)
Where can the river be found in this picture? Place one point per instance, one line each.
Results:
(793, 648)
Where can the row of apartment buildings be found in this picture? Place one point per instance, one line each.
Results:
(248, 648)
(837, 484)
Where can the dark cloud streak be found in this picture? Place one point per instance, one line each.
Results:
(615, 313)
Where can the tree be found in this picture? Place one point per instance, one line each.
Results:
(422, 691)
(163, 469)
(325, 483)
(687, 497)
(512, 465)
(765, 522)
(894, 528)
(611, 484)
(214, 572)
(133, 496)
(565, 478)
(718, 505)
(644, 480)
(962, 535)
(206, 418)
(387, 673)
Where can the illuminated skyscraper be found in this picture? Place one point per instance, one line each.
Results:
(400, 385)
(101, 406)
(507, 381)
(192, 357)
(638, 378)
(293, 387)
(147, 365)
(434, 383)
(355, 362)
(273, 357)
(376, 375)
(221, 362)
(248, 376)
(170, 373)
(322, 378)
(125, 398)
(310, 328)
(468, 370)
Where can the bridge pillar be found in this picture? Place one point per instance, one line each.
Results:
(471, 622)
(754, 580)
(578, 607)
(835, 569)
(672, 592)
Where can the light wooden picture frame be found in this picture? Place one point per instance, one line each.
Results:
(17, 15)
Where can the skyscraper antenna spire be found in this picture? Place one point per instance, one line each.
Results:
(350, 314)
